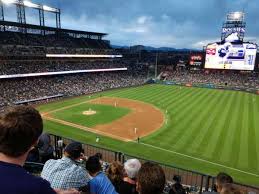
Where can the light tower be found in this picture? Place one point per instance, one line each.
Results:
(1, 11)
(20, 9)
(235, 23)
(21, 16)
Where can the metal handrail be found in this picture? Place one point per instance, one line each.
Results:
(206, 180)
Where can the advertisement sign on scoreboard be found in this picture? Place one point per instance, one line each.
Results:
(196, 59)
(231, 56)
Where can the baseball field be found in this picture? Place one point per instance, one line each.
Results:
(205, 130)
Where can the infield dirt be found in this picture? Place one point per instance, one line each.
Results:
(143, 116)
(142, 120)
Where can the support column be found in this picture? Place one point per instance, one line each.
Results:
(20, 10)
(1, 11)
(2, 28)
(42, 20)
(58, 23)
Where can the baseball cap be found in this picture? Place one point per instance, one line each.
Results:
(74, 150)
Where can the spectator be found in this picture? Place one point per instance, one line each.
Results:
(131, 168)
(65, 173)
(150, 179)
(45, 148)
(230, 189)
(33, 155)
(115, 174)
(20, 129)
(177, 187)
(221, 179)
(99, 184)
(103, 163)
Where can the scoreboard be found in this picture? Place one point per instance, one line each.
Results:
(235, 56)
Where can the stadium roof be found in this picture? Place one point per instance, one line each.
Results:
(37, 27)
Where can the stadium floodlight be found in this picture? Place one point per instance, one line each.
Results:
(27, 3)
(236, 16)
(50, 9)
(9, 1)
(30, 4)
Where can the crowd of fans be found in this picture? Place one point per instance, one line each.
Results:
(22, 50)
(22, 89)
(63, 50)
(231, 79)
(51, 40)
(21, 67)
(26, 50)
(21, 132)
(19, 44)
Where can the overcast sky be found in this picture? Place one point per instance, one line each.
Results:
(173, 23)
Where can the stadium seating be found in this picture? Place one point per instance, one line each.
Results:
(18, 44)
(69, 85)
(21, 67)
(220, 78)
(15, 38)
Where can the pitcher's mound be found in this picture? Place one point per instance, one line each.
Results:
(89, 112)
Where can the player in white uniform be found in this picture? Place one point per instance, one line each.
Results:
(135, 130)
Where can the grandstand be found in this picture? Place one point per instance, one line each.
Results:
(54, 41)
(25, 51)
(64, 72)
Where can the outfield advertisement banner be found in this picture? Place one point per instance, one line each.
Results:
(231, 56)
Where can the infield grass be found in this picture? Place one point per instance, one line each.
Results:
(207, 130)
(104, 114)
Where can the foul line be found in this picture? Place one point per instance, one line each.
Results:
(66, 123)
(199, 159)
(64, 107)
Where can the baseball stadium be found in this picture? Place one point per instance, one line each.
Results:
(193, 113)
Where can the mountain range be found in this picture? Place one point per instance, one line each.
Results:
(150, 48)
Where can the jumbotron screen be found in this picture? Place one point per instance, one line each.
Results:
(231, 56)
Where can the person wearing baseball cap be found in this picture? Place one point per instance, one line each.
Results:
(66, 172)
(74, 150)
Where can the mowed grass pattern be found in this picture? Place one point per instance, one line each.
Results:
(218, 126)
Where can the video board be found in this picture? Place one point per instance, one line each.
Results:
(195, 60)
(228, 55)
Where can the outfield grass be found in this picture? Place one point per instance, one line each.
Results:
(207, 130)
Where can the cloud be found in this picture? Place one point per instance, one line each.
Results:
(141, 25)
(143, 19)
(135, 30)
(176, 23)
(165, 17)
(252, 39)
(202, 43)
